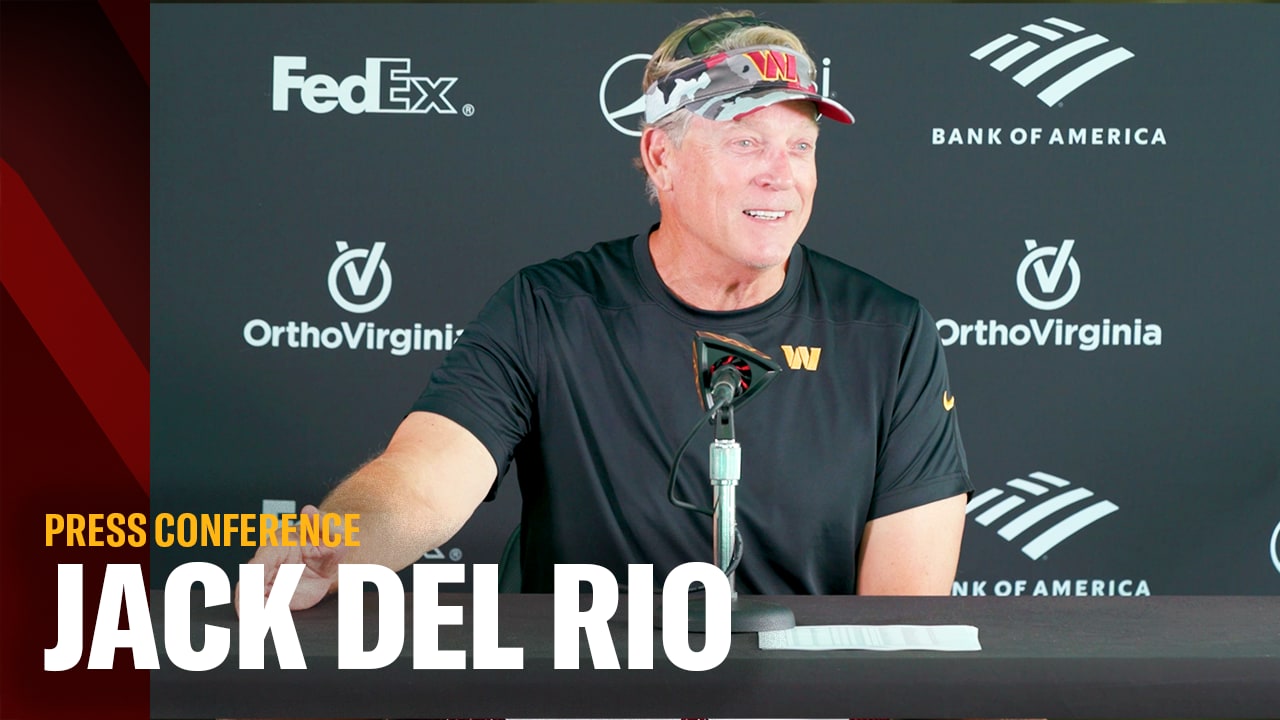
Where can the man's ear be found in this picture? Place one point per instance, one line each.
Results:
(655, 153)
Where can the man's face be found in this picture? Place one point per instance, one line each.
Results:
(743, 189)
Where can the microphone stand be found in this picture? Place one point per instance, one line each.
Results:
(729, 371)
(726, 470)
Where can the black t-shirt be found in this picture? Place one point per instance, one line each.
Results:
(580, 370)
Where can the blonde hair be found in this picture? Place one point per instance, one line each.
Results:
(664, 61)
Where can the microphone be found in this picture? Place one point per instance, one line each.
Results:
(726, 384)
(729, 370)
(729, 373)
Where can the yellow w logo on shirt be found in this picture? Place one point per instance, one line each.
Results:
(801, 356)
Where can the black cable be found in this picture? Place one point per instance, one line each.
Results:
(736, 557)
(675, 464)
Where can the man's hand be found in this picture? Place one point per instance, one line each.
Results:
(319, 574)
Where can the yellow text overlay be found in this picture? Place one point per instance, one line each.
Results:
(203, 530)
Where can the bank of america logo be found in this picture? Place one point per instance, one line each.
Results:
(1048, 496)
(1064, 57)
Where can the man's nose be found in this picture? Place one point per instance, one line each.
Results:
(776, 172)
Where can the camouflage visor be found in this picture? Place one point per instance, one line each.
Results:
(727, 85)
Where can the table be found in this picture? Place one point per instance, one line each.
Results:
(1054, 657)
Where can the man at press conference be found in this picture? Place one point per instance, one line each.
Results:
(854, 477)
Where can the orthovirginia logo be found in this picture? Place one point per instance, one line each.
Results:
(1056, 48)
(359, 279)
(1047, 279)
(1034, 511)
(1053, 59)
(622, 104)
(387, 86)
(353, 275)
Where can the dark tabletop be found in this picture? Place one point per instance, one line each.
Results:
(1197, 657)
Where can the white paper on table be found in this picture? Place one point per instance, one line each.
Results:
(950, 638)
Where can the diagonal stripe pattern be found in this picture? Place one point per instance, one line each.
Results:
(66, 313)
(1049, 495)
(1061, 50)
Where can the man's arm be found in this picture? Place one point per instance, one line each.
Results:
(411, 498)
(417, 494)
(912, 552)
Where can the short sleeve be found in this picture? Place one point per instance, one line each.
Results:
(922, 458)
(486, 383)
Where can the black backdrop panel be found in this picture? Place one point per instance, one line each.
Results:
(1089, 210)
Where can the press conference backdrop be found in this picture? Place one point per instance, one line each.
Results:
(1084, 196)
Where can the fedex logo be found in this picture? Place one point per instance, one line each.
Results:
(774, 65)
(385, 87)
